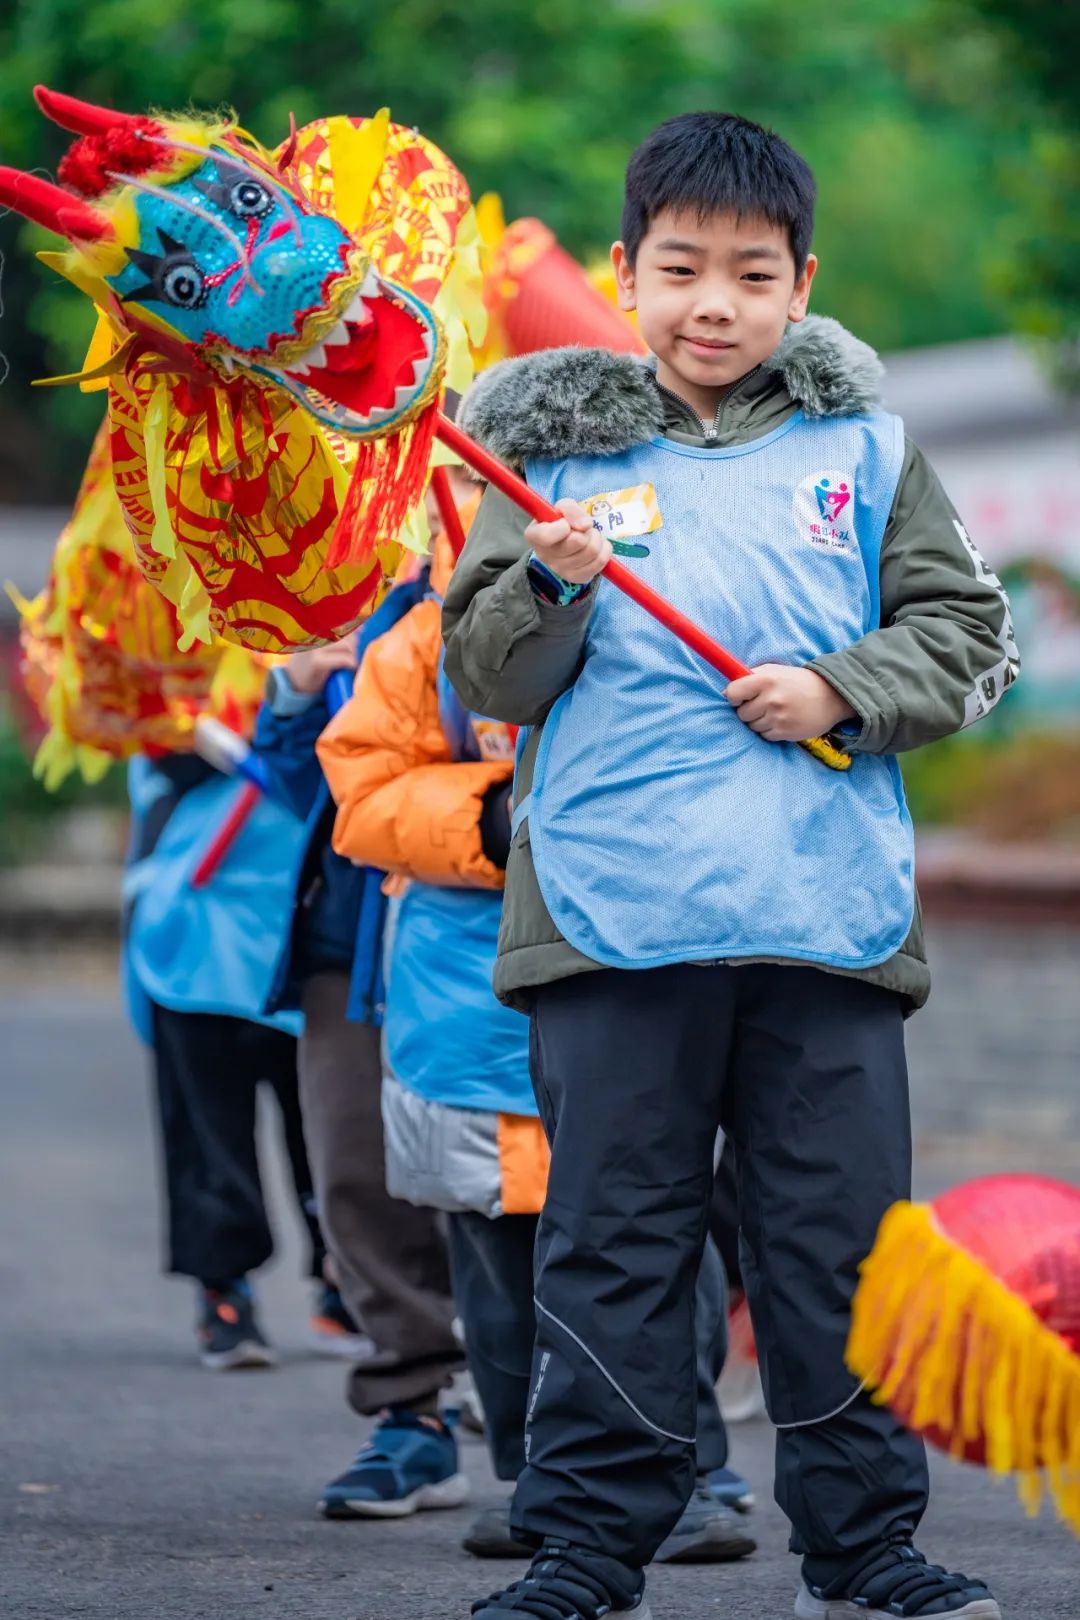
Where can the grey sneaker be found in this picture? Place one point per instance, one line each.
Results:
(707, 1533)
(490, 1536)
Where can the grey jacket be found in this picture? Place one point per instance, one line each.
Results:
(942, 658)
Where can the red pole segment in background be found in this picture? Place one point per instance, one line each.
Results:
(448, 512)
(225, 836)
(491, 468)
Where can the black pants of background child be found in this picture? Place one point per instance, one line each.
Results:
(492, 1263)
(208, 1070)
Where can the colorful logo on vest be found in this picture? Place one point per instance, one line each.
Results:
(825, 510)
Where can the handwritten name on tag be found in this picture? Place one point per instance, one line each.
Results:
(622, 514)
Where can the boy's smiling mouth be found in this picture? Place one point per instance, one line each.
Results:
(708, 345)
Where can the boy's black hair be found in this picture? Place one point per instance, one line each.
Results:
(718, 163)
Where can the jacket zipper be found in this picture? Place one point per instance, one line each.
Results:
(710, 431)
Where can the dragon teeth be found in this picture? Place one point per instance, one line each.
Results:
(339, 335)
(369, 287)
(403, 395)
(315, 357)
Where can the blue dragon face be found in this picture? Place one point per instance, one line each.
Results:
(238, 266)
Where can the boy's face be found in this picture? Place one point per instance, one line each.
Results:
(712, 299)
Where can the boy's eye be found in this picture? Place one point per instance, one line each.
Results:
(677, 270)
(758, 275)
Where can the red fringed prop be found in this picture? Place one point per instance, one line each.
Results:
(387, 482)
(967, 1324)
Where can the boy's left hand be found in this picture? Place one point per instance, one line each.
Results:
(786, 704)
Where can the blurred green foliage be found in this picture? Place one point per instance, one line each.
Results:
(943, 133)
(1039, 272)
(1020, 786)
(938, 147)
(27, 813)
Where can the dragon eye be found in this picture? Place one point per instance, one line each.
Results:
(249, 200)
(183, 285)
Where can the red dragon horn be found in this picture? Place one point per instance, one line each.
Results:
(80, 117)
(49, 205)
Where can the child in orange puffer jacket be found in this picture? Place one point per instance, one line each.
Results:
(423, 792)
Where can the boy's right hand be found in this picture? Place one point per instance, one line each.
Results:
(310, 669)
(571, 548)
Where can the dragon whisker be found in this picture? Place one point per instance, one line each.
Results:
(256, 174)
(170, 196)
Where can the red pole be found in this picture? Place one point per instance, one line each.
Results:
(448, 512)
(491, 468)
(226, 835)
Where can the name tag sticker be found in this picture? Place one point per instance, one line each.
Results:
(493, 739)
(622, 514)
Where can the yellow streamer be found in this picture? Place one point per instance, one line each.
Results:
(931, 1320)
(356, 158)
(162, 540)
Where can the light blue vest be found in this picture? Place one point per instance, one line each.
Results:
(445, 1035)
(664, 830)
(212, 949)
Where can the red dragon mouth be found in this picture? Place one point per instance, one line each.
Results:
(372, 366)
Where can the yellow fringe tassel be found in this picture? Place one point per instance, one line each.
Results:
(932, 1326)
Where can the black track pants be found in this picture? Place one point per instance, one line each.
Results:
(634, 1072)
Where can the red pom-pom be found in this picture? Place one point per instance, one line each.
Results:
(132, 147)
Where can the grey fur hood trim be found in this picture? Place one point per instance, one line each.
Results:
(825, 368)
(574, 401)
(562, 402)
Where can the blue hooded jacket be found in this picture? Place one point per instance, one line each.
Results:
(351, 904)
(211, 949)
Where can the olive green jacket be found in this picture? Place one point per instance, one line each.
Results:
(943, 656)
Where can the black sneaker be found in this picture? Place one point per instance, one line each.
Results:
(333, 1330)
(707, 1533)
(896, 1581)
(564, 1583)
(490, 1536)
(229, 1335)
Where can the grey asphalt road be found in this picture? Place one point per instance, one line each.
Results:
(136, 1486)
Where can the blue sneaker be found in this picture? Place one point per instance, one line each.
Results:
(731, 1489)
(409, 1462)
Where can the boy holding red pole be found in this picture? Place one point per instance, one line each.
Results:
(707, 926)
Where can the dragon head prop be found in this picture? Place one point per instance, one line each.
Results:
(275, 329)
